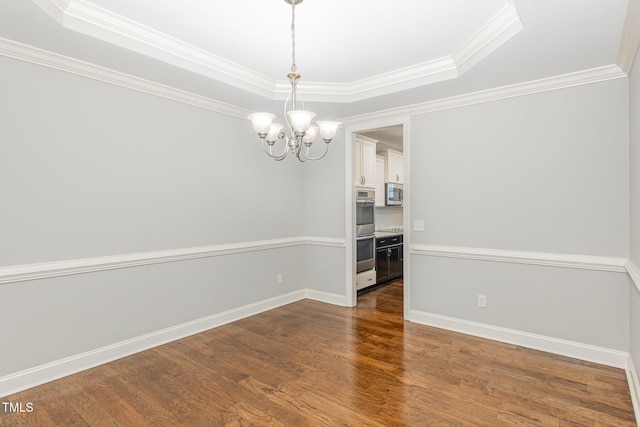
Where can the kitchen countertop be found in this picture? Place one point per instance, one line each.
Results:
(388, 233)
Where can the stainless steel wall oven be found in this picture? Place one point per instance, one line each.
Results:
(365, 218)
(365, 227)
(365, 253)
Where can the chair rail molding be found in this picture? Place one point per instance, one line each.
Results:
(587, 262)
(634, 273)
(19, 273)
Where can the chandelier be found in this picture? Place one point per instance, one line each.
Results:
(300, 133)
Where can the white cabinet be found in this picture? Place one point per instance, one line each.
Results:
(380, 173)
(394, 167)
(365, 163)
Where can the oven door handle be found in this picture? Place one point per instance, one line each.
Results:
(368, 236)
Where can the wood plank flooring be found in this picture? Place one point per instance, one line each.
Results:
(314, 364)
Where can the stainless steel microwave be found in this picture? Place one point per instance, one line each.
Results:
(393, 194)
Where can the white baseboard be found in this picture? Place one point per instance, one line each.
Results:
(634, 387)
(327, 297)
(601, 355)
(32, 377)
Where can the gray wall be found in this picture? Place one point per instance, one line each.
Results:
(90, 169)
(634, 137)
(325, 191)
(65, 316)
(324, 217)
(93, 169)
(547, 172)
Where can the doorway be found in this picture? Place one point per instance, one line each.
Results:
(379, 167)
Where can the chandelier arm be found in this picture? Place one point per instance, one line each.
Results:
(298, 98)
(293, 93)
(293, 98)
(269, 150)
(280, 157)
(308, 157)
(286, 116)
(300, 156)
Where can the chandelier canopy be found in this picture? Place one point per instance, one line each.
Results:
(300, 133)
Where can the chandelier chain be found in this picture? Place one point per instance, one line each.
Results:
(293, 37)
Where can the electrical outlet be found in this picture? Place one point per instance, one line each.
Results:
(418, 225)
(482, 301)
(279, 278)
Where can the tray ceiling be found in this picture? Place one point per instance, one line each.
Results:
(356, 57)
(346, 50)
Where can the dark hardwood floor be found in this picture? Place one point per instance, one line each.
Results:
(315, 364)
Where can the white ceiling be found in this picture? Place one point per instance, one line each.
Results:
(389, 137)
(347, 50)
(255, 34)
(355, 56)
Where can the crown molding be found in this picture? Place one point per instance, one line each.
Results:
(382, 84)
(85, 17)
(630, 41)
(497, 31)
(594, 75)
(54, 8)
(398, 114)
(22, 52)
(19, 51)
